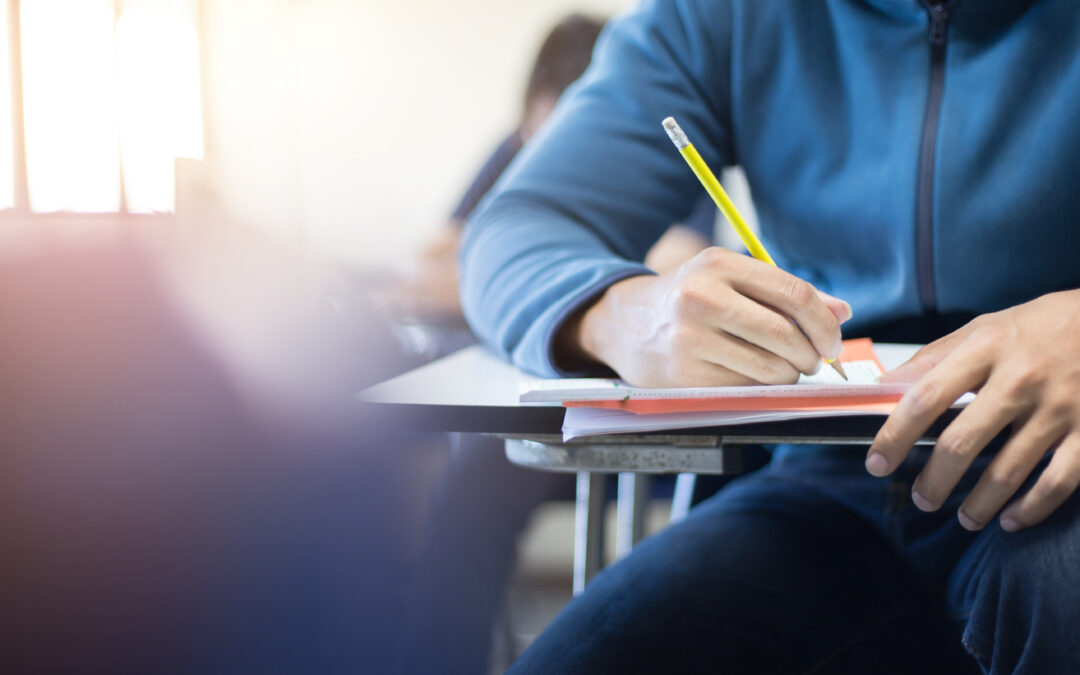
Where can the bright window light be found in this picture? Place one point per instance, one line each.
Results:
(7, 149)
(110, 93)
(70, 105)
(159, 101)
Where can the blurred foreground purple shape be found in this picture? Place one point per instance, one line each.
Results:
(156, 514)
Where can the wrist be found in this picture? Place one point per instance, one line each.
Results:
(588, 338)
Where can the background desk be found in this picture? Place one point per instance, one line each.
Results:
(476, 392)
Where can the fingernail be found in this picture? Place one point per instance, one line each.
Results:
(876, 464)
(817, 368)
(966, 522)
(923, 503)
(837, 349)
(1009, 525)
(848, 313)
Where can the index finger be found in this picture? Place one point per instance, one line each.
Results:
(796, 299)
(958, 373)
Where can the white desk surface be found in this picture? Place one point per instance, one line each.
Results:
(476, 377)
(472, 376)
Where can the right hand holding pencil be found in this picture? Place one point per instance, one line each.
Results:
(720, 319)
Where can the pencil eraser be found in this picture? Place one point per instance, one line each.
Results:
(675, 133)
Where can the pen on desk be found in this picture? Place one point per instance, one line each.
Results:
(723, 201)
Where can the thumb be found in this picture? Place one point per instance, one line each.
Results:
(840, 309)
(924, 360)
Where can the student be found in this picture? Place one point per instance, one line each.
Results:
(562, 58)
(916, 160)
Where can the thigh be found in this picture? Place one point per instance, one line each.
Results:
(767, 576)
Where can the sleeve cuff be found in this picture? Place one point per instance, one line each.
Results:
(584, 298)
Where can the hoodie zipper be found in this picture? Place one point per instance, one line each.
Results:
(940, 11)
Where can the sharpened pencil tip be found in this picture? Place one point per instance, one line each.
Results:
(835, 363)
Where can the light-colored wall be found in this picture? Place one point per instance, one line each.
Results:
(351, 127)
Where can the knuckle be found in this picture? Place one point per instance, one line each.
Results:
(924, 397)
(781, 332)
(797, 291)
(687, 295)
(982, 327)
(1057, 486)
(1025, 378)
(926, 349)
(684, 339)
(1012, 408)
(807, 362)
(689, 269)
(1003, 480)
(774, 371)
(956, 443)
(1061, 406)
(714, 255)
(1069, 393)
(984, 338)
(692, 299)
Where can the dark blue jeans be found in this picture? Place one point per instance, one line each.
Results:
(813, 566)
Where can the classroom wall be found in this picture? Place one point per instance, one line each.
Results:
(352, 126)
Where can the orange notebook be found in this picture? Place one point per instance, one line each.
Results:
(821, 392)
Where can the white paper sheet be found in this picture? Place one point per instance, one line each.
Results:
(580, 422)
(862, 380)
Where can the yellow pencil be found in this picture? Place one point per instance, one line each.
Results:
(726, 206)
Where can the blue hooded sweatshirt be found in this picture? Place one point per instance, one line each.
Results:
(918, 160)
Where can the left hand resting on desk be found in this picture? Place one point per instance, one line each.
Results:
(1024, 362)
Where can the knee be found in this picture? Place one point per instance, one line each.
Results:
(1040, 562)
(1023, 595)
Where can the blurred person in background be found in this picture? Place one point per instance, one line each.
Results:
(563, 57)
(483, 502)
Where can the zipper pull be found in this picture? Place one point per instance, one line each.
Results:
(939, 23)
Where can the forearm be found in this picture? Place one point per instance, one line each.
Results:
(580, 207)
(524, 277)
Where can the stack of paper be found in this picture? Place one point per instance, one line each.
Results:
(610, 406)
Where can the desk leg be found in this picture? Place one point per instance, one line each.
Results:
(684, 496)
(588, 528)
(633, 497)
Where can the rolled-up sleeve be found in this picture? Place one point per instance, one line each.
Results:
(582, 204)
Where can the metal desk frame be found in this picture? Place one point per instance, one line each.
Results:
(635, 458)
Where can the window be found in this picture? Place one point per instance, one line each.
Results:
(109, 100)
(7, 130)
